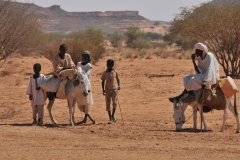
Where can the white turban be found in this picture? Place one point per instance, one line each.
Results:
(202, 47)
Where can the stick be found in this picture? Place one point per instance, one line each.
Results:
(202, 108)
(119, 107)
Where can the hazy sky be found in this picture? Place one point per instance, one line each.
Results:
(151, 9)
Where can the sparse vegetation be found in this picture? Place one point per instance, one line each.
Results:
(154, 36)
(116, 40)
(19, 29)
(91, 39)
(218, 26)
(8, 112)
(136, 38)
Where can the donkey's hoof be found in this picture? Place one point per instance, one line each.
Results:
(237, 131)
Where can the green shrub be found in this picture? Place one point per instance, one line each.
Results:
(154, 36)
(116, 40)
(141, 43)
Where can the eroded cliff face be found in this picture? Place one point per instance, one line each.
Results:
(55, 19)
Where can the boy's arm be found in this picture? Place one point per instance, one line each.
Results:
(103, 82)
(103, 78)
(118, 81)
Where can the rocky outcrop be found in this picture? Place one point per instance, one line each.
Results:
(55, 19)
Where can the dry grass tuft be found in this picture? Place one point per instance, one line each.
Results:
(7, 112)
(7, 71)
(18, 81)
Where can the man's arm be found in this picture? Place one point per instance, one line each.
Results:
(194, 63)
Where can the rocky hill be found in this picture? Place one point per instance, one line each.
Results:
(55, 19)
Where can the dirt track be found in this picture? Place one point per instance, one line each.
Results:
(148, 129)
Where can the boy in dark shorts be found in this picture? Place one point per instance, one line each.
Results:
(110, 85)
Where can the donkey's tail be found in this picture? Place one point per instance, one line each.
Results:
(235, 105)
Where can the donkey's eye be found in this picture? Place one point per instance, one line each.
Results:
(180, 118)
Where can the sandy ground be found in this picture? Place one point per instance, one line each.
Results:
(147, 130)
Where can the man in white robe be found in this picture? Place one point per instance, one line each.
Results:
(207, 73)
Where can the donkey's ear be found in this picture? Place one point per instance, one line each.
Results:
(175, 103)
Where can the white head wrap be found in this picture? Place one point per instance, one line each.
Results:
(202, 47)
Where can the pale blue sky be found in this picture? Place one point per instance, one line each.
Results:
(163, 10)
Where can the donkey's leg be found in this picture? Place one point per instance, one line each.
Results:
(73, 109)
(49, 107)
(70, 104)
(194, 117)
(231, 108)
(225, 114)
(199, 106)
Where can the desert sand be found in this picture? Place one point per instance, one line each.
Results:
(146, 129)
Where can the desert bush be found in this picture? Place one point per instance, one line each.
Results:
(141, 43)
(129, 53)
(136, 39)
(161, 44)
(186, 43)
(18, 30)
(218, 26)
(90, 39)
(143, 52)
(154, 36)
(116, 40)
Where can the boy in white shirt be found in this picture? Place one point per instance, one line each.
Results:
(36, 95)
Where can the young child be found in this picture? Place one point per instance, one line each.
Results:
(36, 95)
(110, 89)
(87, 68)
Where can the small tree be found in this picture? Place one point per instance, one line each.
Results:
(116, 40)
(218, 26)
(18, 29)
(136, 38)
(132, 33)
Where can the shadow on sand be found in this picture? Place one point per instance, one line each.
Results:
(30, 124)
(45, 125)
(183, 130)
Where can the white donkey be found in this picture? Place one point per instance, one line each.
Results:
(180, 107)
(73, 93)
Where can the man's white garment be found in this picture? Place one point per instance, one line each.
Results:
(86, 68)
(88, 71)
(37, 95)
(209, 73)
